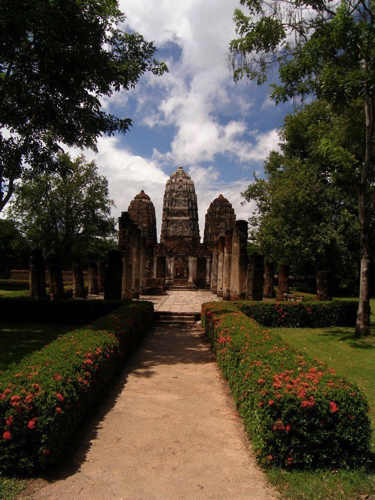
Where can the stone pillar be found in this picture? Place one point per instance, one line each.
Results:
(192, 279)
(208, 271)
(37, 275)
(255, 280)
(143, 264)
(112, 289)
(227, 263)
(269, 273)
(126, 226)
(56, 285)
(78, 280)
(101, 276)
(150, 261)
(220, 266)
(170, 270)
(238, 282)
(323, 286)
(283, 286)
(215, 257)
(92, 272)
(127, 273)
(136, 261)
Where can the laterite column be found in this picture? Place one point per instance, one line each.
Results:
(238, 279)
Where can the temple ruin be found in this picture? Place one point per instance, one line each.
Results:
(180, 260)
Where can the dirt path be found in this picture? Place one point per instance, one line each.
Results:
(168, 431)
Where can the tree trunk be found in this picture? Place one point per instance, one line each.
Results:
(37, 276)
(362, 328)
(323, 286)
(365, 211)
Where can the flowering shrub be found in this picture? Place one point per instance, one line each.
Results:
(44, 398)
(297, 411)
(56, 311)
(14, 285)
(301, 314)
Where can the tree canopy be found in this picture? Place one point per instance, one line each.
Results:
(65, 212)
(58, 58)
(303, 217)
(324, 48)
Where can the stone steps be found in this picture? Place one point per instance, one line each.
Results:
(167, 318)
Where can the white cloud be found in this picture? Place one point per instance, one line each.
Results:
(199, 89)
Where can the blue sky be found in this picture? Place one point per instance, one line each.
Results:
(194, 116)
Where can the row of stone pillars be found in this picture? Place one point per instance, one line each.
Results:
(137, 258)
(229, 264)
(52, 267)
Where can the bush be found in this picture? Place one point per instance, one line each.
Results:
(301, 314)
(56, 311)
(44, 398)
(297, 411)
(14, 285)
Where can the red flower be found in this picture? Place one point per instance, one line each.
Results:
(7, 435)
(9, 421)
(58, 409)
(32, 423)
(289, 460)
(270, 402)
(288, 427)
(59, 396)
(270, 457)
(333, 407)
(260, 381)
(46, 452)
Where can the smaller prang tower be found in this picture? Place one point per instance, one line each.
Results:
(220, 217)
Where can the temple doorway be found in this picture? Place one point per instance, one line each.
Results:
(201, 272)
(181, 268)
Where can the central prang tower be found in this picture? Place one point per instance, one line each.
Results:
(180, 211)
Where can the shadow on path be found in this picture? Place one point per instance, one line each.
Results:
(163, 346)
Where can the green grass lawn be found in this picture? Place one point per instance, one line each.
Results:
(355, 359)
(14, 293)
(20, 339)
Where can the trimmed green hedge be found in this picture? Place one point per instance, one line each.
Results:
(14, 285)
(297, 411)
(56, 311)
(301, 314)
(44, 398)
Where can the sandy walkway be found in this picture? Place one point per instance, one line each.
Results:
(168, 431)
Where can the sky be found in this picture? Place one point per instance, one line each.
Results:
(195, 116)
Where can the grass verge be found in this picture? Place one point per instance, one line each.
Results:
(354, 358)
(11, 487)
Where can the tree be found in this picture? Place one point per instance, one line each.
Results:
(65, 212)
(14, 251)
(58, 58)
(304, 218)
(327, 49)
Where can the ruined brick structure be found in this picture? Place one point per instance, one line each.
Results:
(180, 260)
(220, 218)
